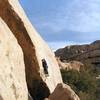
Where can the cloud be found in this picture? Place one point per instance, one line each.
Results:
(70, 36)
(76, 15)
(56, 45)
(65, 21)
(61, 44)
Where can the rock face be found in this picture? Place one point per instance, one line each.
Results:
(35, 49)
(75, 65)
(16, 27)
(63, 92)
(84, 53)
(12, 69)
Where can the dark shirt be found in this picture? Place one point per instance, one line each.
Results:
(45, 65)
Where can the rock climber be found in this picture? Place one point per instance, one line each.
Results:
(45, 66)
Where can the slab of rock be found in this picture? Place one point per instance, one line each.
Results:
(33, 46)
(40, 51)
(71, 65)
(12, 70)
(12, 78)
(63, 92)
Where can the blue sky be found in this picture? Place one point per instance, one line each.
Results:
(65, 22)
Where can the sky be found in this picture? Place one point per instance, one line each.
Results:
(64, 22)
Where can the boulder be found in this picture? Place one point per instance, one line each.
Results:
(38, 50)
(33, 46)
(63, 92)
(12, 69)
(71, 65)
(21, 53)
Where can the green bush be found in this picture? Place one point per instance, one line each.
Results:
(83, 83)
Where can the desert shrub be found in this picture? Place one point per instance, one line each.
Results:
(97, 93)
(70, 76)
(83, 83)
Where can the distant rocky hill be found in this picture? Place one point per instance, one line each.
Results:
(79, 64)
(84, 53)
